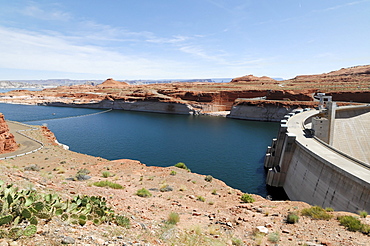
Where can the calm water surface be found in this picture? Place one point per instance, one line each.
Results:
(228, 149)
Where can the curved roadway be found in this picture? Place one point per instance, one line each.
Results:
(295, 126)
(26, 144)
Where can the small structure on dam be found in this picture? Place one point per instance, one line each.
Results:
(321, 156)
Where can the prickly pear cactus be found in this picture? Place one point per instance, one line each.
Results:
(38, 206)
(26, 213)
(6, 219)
(33, 220)
(30, 231)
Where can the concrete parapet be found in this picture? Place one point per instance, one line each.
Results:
(315, 172)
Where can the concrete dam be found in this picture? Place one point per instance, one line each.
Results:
(322, 157)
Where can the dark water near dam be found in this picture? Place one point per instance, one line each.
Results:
(228, 149)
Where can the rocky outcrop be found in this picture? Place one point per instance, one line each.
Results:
(261, 110)
(111, 83)
(7, 141)
(252, 78)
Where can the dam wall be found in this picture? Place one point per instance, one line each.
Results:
(310, 170)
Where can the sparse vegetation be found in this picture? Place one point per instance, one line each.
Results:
(123, 221)
(214, 192)
(143, 193)
(107, 174)
(182, 166)
(329, 209)
(316, 213)
(82, 174)
(362, 213)
(273, 237)
(200, 198)
(109, 184)
(292, 218)
(247, 198)
(208, 178)
(236, 241)
(173, 173)
(173, 218)
(353, 224)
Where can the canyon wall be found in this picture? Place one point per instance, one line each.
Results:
(263, 110)
(142, 106)
(7, 141)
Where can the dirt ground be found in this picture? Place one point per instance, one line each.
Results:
(211, 213)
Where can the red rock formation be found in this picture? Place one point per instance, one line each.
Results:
(252, 78)
(111, 83)
(49, 135)
(7, 141)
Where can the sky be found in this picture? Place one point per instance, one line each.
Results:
(180, 39)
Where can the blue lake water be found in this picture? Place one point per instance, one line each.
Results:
(228, 149)
(2, 90)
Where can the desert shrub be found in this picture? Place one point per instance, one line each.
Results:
(350, 222)
(247, 198)
(82, 174)
(173, 173)
(214, 192)
(107, 174)
(166, 188)
(208, 178)
(362, 213)
(122, 221)
(182, 165)
(292, 218)
(329, 209)
(173, 218)
(32, 167)
(143, 193)
(236, 241)
(317, 213)
(273, 237)
(108, 184)
(200, 198)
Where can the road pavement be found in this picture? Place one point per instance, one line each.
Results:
(25, 144)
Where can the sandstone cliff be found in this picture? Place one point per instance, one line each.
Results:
(7, 141)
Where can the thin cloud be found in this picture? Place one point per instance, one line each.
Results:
(35, 51)
(220, 57)
(342, 6)
(175, 39)
(35, 11)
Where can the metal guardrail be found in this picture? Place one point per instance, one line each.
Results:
(21, 133)
(361, 163)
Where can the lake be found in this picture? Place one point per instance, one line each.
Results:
(228, 149)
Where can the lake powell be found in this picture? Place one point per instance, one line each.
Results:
(228, 149)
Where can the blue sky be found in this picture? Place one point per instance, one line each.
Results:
(180, 39)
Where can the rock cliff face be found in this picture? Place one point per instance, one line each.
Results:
(7, 141)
